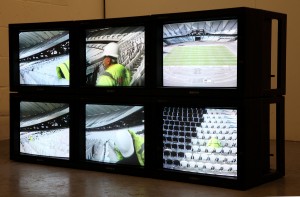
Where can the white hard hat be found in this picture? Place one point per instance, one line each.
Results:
(111, 49)
(124, 143)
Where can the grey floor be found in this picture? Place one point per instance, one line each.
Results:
(23, 179)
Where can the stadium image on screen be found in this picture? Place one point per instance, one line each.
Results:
(200, 140)
(131, 53)
(200, 54)
(44, 58)
(44, 129)
(115, 134)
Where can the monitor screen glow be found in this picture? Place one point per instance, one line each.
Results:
(44, 129)
(44, 58)
(200, 54)
(131, 54)
(200, 140)
(115, 134)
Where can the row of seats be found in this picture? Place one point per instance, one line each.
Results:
(196, 157)
(182, 136)
(202, 167)
(55, 144)
(212, 27)
(228, 147)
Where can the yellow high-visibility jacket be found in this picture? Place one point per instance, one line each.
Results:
(115, 75)
(63, 70)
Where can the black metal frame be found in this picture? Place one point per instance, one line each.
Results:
(252, 97)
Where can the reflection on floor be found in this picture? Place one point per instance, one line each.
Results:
(23, 179)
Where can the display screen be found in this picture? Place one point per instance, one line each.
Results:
(200, 54)
(126, 46)
(44, 129)
(115, 134)
(200, 140)
(44, 58)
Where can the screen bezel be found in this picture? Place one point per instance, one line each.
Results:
(15, 29)
(251, 157)
(15, 154)
(115, 167)
(191, 176)
(115, 23)
(226, 14)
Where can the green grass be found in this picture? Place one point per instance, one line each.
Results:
(200, 56)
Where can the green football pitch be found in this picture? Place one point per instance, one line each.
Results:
(200, 56)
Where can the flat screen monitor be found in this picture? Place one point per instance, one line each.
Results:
(200, 54)
(114, 134)
(200, 140)
(44, 129)
(115, 56)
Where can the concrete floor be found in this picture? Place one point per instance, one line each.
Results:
(23, 179)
